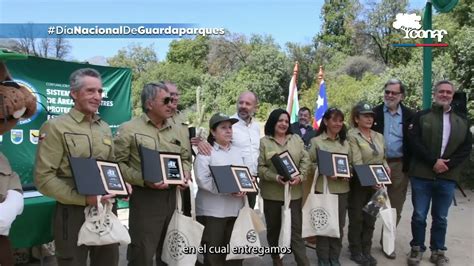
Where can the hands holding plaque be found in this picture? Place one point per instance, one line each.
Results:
(372, 174)
(285, 166)
(333, 164)
(163, 167)
(232, 179)
(95, 177)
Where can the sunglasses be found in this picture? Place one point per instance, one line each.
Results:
(167, 100)
(394, 93)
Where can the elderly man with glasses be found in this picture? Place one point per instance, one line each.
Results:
(151, 204)
(392, 119)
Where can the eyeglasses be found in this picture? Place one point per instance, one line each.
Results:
(167, 100)
(394, 93)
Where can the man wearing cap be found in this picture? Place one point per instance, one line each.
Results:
(392, 119)
(79, 133)
(11, 199)
(441, 143)
(151, 204)
(245, 136)
(303, 127)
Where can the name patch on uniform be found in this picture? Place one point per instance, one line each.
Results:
(107, 141)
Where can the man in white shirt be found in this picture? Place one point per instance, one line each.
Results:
(246, 135)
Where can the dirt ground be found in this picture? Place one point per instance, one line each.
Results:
(459, 240)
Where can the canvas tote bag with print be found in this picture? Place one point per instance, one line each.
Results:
(183, 233)
(284, 240)
(102, 227)
(244, 234)
(321, 212)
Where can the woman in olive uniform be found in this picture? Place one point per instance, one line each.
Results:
(332, 137)
(278, 138)
(370, 145)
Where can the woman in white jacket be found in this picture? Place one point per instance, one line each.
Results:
(217, 211)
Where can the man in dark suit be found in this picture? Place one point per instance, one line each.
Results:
(392, 119)
(303, 127)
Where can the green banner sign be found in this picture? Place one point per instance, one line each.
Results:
(49, 81)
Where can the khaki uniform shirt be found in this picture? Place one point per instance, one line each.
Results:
(270, 188)
(141, 131)
(360, 144)
(323, 142)
(9, 180)
(69, 135)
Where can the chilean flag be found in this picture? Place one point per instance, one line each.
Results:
(321, 105)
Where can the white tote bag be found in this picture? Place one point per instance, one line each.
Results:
(102, 227)
(183, 236)
(284, 240)
(389, 227)
(244, 234)
(321, 212)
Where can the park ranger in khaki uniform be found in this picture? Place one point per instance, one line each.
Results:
(79, 133)
(151, 204)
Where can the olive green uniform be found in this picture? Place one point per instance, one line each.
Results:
(9, 180)
(150, 209)
(361, 224)
(273, 193)
(72, 135)
(329, 248)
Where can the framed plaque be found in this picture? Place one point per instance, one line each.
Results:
(151, 169)
(380, 174)
(172, 168)
(333, 164)
(243, 178)
(340, 164)
(112, 178)
(285, 165)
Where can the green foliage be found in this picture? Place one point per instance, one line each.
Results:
(189, 51)
(337, 29)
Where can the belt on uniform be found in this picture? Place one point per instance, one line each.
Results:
(394, 160)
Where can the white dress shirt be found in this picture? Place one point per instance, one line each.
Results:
(209, 202)
(246, 137)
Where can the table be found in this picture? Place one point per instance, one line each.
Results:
(35, 225)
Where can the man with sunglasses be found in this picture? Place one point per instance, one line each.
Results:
(441, 143)
(392, 119)
(151, 204)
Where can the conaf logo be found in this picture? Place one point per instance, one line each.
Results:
(410, 24)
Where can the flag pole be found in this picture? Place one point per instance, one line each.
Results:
(320, 74)
(294, 78)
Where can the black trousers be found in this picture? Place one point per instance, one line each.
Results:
(217, 233)
(272, 210)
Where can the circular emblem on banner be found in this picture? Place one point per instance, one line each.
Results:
(319, 219)
(176, 241)
(251, 236)
(33, 91)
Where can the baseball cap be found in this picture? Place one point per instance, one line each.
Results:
(220, 117)
(364, 108)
